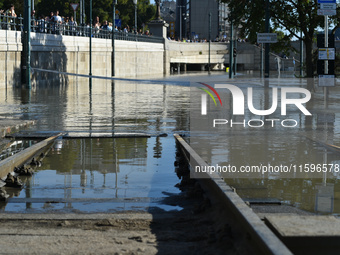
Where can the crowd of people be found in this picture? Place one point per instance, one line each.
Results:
(10, 12)
(56, 24)
(204, 40)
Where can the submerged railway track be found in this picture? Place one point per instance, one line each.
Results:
(213, 220)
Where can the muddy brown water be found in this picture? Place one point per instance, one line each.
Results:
(91, 174)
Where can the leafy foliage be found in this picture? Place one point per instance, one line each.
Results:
(18, 6)
(288, 17)
(101, 8)
(145, 12)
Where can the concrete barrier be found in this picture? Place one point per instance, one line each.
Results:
(260, 235)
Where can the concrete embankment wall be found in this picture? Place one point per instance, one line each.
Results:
(248, 55)
(10, 57)
(196, 53)
(249, 58)
(71, 54)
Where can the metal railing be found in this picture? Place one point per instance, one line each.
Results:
(42, 26)
(11, 23)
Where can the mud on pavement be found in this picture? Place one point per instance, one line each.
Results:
(198, 228)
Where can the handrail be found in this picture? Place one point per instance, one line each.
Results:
(42, 26)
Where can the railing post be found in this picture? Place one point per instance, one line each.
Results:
(7, 23)
(231, 50)
(20, 24)
(15, 23)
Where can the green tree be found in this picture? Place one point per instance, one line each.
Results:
(44, 8)
(145, 12)
(291, 16)
(18, 6)
(102, 9)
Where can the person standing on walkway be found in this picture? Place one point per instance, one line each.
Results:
(96, 25)
(11, 11)
(73, 25)
(57, 22)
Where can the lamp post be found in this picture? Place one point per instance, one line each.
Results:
(180, 22)
(80, 12)
(113, 37)
(90, 58)
(267, 46)
(135, 3)
(209, 64)
(26, 66)
(231, 49)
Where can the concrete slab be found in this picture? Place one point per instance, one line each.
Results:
(175, 232)
(307, 234)
(79, 135)
(264, 200)
(10, 125)
(298, 225)
(73, 216)
(104, 135)
(262, 210)
(261, 236)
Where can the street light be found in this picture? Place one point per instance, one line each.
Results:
(185, 18)
(113, 37)
(180, 22)
(135, 3)
(90, 46)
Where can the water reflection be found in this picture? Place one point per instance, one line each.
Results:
(100, 175)
(118, 106)
(112, 170)
(13, 147)
(159, 108)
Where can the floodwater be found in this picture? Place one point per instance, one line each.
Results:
(256, 142)
(101, 175)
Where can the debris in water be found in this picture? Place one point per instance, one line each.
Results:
(35, 162)
(13, 181)
(3, 195)
(24, 170)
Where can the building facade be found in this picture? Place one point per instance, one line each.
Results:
(192, 19)
(168, 13)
